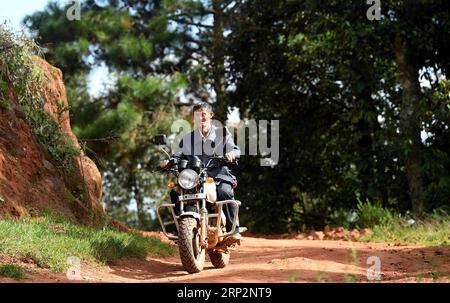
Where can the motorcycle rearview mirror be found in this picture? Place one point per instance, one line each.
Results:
(160, 140)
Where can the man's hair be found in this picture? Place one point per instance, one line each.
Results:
(201, 106)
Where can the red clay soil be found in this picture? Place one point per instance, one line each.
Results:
(281, 261)
(29, 179)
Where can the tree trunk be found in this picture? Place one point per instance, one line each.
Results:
(133, 185)
(218, 48)
(140, 210)
(409, 126)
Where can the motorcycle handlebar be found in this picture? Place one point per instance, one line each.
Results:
(223, 160)
(173, 161)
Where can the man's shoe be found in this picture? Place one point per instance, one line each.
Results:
(242, 229)
(236, 237)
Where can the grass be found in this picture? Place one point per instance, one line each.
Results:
(372, 214)
(12, 271)
(431, 230)
(51, 240)
(425, 232)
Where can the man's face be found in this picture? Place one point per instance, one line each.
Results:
(202, 119)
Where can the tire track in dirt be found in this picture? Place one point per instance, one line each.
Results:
(288, 260)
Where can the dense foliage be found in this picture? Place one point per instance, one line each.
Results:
(364, 106)
(351, 109)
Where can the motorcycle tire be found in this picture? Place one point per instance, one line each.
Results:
(191, 254)
(219, 259)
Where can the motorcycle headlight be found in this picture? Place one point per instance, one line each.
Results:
(188, 179)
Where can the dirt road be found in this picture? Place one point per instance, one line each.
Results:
(286, 260)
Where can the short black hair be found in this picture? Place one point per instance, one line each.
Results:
(201, 106)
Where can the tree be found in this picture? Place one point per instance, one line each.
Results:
(332, 78)
(133, 39)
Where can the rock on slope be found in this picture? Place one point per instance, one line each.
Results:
(29, 178)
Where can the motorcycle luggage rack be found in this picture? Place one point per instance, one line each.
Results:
(216, 215)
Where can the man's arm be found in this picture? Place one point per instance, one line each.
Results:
(232, 151)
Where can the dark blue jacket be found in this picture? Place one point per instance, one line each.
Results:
(218, 142)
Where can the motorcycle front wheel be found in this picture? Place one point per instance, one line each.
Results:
(191, 253)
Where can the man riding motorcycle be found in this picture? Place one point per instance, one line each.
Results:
(204, 142)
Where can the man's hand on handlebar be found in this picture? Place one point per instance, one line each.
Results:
(229, 157)
(163, 163)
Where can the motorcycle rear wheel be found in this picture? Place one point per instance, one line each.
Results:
(219, 259)
(191, 254)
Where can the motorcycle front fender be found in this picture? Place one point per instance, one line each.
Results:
(191, 214)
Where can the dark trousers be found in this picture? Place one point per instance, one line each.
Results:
(224, 192)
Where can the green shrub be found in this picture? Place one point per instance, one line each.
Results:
(372, 214)
(12, 271)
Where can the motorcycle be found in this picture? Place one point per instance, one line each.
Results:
(200, 221)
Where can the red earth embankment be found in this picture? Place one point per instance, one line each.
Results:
(29, 178)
